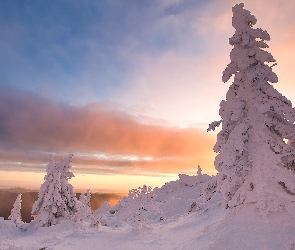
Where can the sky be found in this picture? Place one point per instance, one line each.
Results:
(128, 87)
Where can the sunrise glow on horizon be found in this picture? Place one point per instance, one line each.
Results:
(128, 88)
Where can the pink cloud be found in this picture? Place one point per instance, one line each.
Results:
(32, 127)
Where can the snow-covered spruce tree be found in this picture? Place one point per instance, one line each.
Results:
(56, 197)
(254, 163)
(15, 215)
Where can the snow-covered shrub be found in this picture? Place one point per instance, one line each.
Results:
(85, 198)
(84, 215)
(15, 215)
(138, 207)
(254, 163)
(85, 201)
(83, 208)
(56, 198)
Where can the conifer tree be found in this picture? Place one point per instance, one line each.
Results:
(15, 215)
(56, 197)
(254, 163)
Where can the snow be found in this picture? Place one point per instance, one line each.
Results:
(184, 214)
(216, 228)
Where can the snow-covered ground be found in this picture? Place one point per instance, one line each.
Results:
(177, 219)
(217, 228)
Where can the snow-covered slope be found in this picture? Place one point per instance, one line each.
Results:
(216, 228)
(179, 218)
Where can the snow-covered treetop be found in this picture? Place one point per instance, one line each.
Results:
(248, 48)
(65, 166)
(242, 18)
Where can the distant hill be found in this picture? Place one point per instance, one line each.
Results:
(8, 196)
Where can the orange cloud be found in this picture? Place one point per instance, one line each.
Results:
(32, 128)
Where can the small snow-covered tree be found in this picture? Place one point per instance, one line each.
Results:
(56, 197)
(83, 206)
(199, 172)
(254, 163)
(15, 215)
(85, 198)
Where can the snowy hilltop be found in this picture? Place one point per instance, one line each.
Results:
(249, 204)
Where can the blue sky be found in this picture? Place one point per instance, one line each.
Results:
(128, 86)
(80, 52)
(55, 47)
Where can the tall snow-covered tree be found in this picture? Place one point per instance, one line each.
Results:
(255, 164)
(56, 197)
(15, 215)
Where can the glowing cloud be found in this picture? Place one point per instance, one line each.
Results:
(103, 140)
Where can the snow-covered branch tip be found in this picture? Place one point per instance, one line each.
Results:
(213, 125)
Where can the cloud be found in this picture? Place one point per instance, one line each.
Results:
(32, 127)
